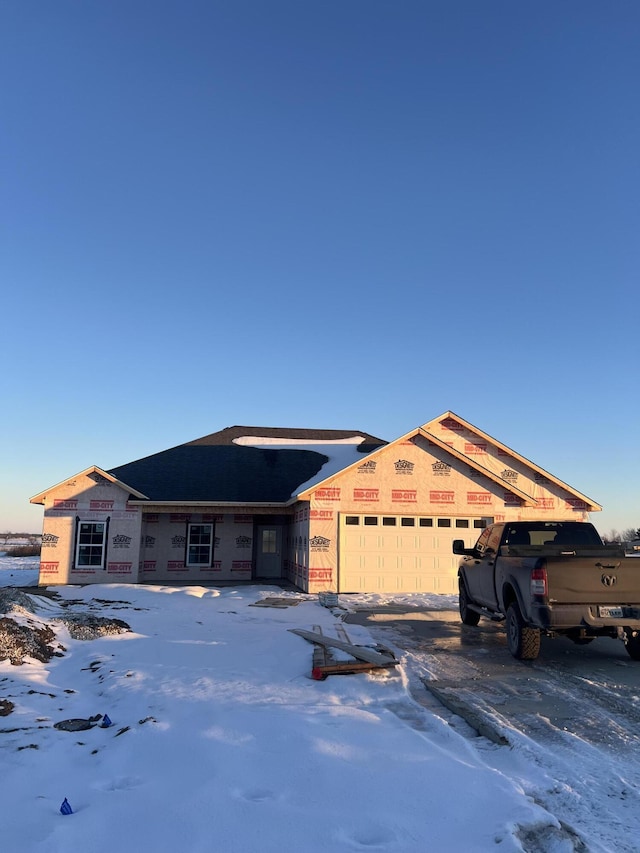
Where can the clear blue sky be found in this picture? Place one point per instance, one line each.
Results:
(341, 214)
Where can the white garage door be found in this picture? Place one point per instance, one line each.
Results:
(382, 553)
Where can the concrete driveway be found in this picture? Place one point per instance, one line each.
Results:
(591, 691)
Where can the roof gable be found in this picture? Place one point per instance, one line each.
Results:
(455, 422)
(92, 470)
(529, 500)
(426, 431)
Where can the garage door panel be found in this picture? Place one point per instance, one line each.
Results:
(399, 558)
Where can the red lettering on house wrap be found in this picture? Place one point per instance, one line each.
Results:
(474, 448)
(96, 505)
(321, 514)
(441, 497)
(408, 496)
(479, 497)
(327, 494)
(366, 494)
(320, 574)
(451, 424)
(64, 504)
(575, 503)
(546, 503)
(119, 568)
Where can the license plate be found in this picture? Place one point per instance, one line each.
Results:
(610, 612)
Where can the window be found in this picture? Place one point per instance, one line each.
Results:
(199, 544)
(462, 522)
(91, 544)
(351, 519)
(444, 522)
(270, 541)
(407, 522)
(388, 521)
(426, 522)
(479, 523)
(371, 520)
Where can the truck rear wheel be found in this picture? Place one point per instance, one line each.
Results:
(632, 644)
(523, 642)
(468, 616)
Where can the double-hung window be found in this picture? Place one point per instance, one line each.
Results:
(91, 544)
(199, 544)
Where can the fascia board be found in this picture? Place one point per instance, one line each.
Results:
(593, 506)
(93, 469)
(462, 457)
(306, 494)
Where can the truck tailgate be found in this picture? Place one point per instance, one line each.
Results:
(580, 580)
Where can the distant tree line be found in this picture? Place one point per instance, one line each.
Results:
(23, 551)
(29, 544)
(10, 537)
(621, 535)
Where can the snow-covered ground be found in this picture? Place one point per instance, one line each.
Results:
(221, 741)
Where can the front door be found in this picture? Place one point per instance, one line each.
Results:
(269, 551)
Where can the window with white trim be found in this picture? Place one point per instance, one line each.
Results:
(91, 544)
(199, 544)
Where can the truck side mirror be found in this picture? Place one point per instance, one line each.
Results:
(458, 546)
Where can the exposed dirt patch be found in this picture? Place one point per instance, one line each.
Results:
(83, 626)
(12, 598)
(20, 641)
(6, 707)
(23, 636)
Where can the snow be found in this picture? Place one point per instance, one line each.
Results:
(340, 453)
(221, 741)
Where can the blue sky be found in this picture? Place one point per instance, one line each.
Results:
(332, 214)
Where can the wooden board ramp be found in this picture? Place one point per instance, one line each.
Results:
(363, 658)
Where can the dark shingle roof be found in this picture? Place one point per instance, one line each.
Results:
(214, 469)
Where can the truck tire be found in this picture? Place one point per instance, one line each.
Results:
(632, 645)
(468, 616)
(523, 642)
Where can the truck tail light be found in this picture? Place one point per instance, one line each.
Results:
(539, 586)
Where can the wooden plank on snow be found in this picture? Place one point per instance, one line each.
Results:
(345, 667)
(359, 652)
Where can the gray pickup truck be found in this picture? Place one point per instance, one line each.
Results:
(551, 577)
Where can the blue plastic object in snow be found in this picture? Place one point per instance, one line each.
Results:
(106, 722)
(65, 808)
